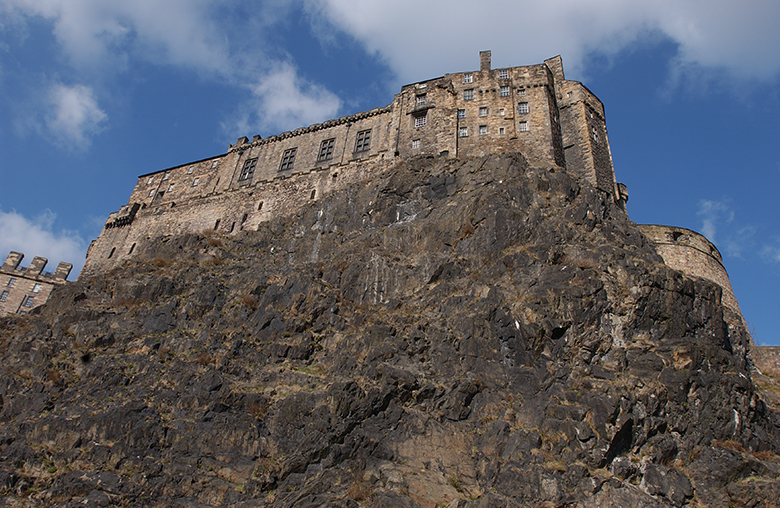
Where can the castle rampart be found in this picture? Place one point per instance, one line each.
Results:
(23, 289)
(532, 109)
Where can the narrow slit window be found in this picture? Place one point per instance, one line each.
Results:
(111, 254)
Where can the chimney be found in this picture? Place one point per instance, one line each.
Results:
(484, 60)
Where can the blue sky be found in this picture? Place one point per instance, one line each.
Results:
(94, 93)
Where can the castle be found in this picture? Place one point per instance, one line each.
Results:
(534, 110)
(23, 289)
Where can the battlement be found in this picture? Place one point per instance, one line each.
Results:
(530, 109)
(22, 289)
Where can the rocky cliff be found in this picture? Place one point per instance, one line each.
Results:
(464, 333)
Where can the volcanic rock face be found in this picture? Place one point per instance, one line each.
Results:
(472, 333)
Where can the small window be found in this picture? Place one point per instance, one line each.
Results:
(260, 206)
(504, 91)
(522, 108)
(501, 131)
(468, 78)
(326, 149)
(415, 144)
(190, 170)
(422, 99)
(483, 130)
(521, 91)
(483, 111)
(195, 182)
(468, 95)
(363, 141)
(28, 301)
(461, 113)
(36, 288)
(569, 94)
(216, 224)
(4, 296)
(244, 218)
(132, 248)
(150, 181)
(502, 112)
(11, 282)
(248, 171)
(151, 193)
(419, 121)
(595, 133)
(214, 164)
(313, 194)
(111, 254)
(170, 187)
(503, 74)
(523, 127)
(463, 132)
(288, 159)
(166, 176)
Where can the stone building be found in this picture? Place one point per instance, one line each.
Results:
(531, 109)
(23, 289)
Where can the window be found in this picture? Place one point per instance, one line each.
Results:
(248, 170)
(504, 91)
(521, 91)
(468, 78)
(482, 130)
(501, 131)
(522, 108)
(151, 193)
(419, 121)
(502, 112)
(463, 132)
(28, 301)
(260, 206)
(595, 133)
(288, 159)
(111, 254)
(483, 111)
(503, 74)
(190, 170)
(150, 181)
(170, 187)
(415, 144)
(326, 149)
(214, 164)
(11, 283)
(36, 288)
(195, 182)
(421, 99)
(166, 176)
(568, 95)
(363, 141)
(523, 127)
(132, 248)
(468, 95)
(461, 113)
(3, 296)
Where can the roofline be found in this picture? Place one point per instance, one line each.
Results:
(182, 165)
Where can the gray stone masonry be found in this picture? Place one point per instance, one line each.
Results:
(23, 289)
(531, 109)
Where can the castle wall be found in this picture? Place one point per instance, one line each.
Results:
(23, 289)
(532, 109)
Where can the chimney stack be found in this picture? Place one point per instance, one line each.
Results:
(484, 60)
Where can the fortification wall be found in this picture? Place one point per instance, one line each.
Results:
(23, 289)
(532, 109)
(692, 254)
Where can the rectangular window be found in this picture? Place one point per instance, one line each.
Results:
(468, 78)
(482, 130)
(483, 111)
(28, 301)
(502, 112)
(248, 171)
(195, 182)
(461, 113)
(419, 121)
(501, 131)
(326, 149)
(415, 143)
(190, 170)
(363, 141)
(523, 127)
(463, 132)
(521, 91)
(421, 99)
(503, 74)
(504, 91)
(3, 296)
(36, 288)
(468, 95)
(11, 283)
(522, 108)
(288, 159)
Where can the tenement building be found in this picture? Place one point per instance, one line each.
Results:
(532, 109)
(23, 289)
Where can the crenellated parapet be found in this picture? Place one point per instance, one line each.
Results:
(25, 288)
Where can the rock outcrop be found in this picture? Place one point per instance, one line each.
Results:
(463, 333)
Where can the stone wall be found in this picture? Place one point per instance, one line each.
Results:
(532, 109)
(23, 289)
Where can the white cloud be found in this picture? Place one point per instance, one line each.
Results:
(713, 212)
(738, 37)
(283, 101)
(74, 116)
(771, 253)
(36, 238)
